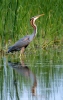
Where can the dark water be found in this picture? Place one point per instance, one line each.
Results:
(38, 77)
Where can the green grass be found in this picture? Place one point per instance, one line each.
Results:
(15, 21)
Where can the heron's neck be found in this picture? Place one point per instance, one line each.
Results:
(35, 28)
(32, 22)
(33, 34)
(35, 31)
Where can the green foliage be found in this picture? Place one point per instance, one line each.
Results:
(15, 15)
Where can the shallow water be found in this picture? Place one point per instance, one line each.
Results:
(37, 77)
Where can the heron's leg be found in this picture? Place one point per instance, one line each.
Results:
(22, 51)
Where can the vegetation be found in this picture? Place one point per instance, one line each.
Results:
(14, 22)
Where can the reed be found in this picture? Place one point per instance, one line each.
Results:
(14, 21)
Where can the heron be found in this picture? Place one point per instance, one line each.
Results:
(21, 44)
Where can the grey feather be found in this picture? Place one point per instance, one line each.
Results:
(24, 42)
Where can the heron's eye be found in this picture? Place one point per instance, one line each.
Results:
(31, 18)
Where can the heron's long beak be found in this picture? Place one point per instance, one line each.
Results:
(36, 17)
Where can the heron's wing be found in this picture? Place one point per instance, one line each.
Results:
(23, 42)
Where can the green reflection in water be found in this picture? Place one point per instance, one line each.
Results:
(39, 76)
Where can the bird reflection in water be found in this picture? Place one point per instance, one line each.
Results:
(23, 69)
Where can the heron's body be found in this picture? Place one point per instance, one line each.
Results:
(24, 42)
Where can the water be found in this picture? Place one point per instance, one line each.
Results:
(37, 77)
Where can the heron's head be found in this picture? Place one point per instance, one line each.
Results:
(33, 19)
